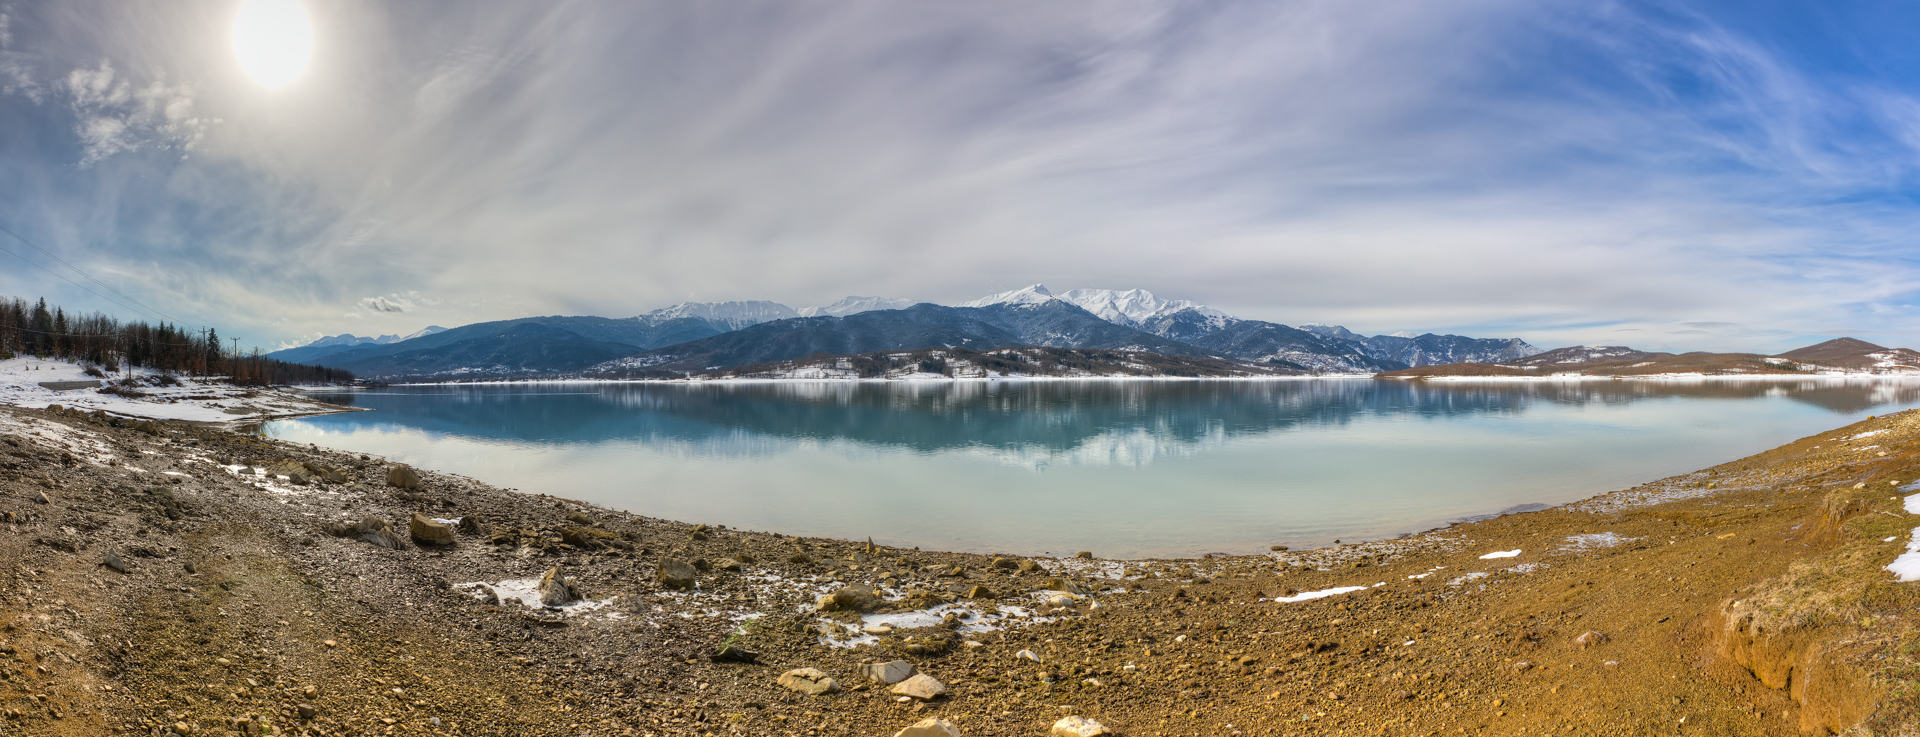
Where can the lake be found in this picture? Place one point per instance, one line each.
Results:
(1121, 468)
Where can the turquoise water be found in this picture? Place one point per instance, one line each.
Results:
(1122, 468)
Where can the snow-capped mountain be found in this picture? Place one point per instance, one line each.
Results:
(855, 305)
(705, 336)
(1135, 307)
(1031, 295)
(421, 333)
(1129, 307)
(733, 314)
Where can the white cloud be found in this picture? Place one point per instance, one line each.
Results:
(113, 116)
(396, 303)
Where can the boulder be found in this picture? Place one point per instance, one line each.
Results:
(425, 531)
(888, 673)
(403, 476)
(1084, 555)
(676, 574)
(921, 686)
(809, 681)
(372, 530)
(728, 564)
(1077, 726)
(587, 538)
(557, 590)
(929, 728)
(470, 525)
(849, 599)
(979, 592)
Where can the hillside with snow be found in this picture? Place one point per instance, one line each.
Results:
(38, 383)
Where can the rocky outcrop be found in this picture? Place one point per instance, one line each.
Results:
(1810, 663)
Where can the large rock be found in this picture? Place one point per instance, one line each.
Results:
(850, 599)
(557, 590)
(676, 574)
(922, 687)
(809, 681)
(1077, 726)
(425, 531)
(888, 673)
(403, 476)
(930, 728)
(371, 530)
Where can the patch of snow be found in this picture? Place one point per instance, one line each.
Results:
(1593, 541)
(1321, 594)
(1907, 566)
(1515, 553)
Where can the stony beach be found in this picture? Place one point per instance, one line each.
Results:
(165, 578)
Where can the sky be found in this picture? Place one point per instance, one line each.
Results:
(1671, 176)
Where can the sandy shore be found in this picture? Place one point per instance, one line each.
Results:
(164, 578)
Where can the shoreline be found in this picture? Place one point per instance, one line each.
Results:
(1481, 626)
(1569, 378)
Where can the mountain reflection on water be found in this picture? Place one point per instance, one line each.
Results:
(1126, 422)
(1126, 468)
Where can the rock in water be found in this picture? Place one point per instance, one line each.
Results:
(888, 673)
(425, 531)
(676, 574)
(403, 477)
(809, 681)
(556, 589)
(1077, 726)
(930, 728)
(922, 686)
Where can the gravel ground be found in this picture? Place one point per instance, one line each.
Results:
(162, 578)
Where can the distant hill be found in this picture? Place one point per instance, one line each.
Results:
(963, 363)
(1843, 355)
(712, 336)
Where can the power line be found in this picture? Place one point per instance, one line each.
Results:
(124, 299)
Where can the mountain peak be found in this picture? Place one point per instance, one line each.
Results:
(1028, 295)
(855, 304)
(735, 314)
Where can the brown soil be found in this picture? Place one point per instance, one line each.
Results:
(1747, 599)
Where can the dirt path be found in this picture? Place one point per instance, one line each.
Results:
(232, 605)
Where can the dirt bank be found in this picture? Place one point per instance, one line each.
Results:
(160, 578)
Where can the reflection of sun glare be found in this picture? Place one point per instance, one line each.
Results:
(272, 39)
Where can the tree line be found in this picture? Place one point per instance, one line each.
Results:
(36, 329)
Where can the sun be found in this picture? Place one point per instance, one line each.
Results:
(273, 40)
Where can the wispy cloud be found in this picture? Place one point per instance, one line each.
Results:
(1490, 166)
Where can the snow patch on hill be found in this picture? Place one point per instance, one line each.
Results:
(39, 383)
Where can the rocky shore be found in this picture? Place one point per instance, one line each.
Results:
(168, 578)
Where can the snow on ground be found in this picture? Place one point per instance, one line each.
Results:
(1515, 553)
(38, 383)
(1907, 566)
(1912, 503)
(1593, 541)
(58, 436)
(1321, 594)
(526, 591)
